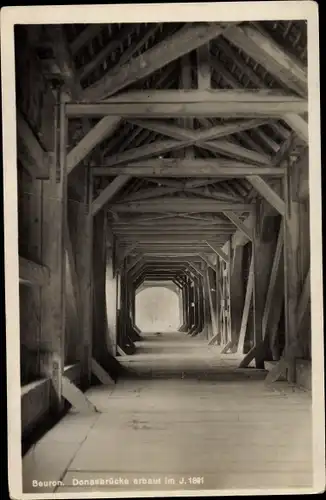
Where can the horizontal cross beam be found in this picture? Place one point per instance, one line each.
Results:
(188, 168)
(189, 103)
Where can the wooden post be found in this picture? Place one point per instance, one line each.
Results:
(53, 312)
(263, 251)
(291, 272)
(87, 288)
(211, 306)
(218, 299)
(236, 293)
(246, 308)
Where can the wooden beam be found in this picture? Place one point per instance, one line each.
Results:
(155, 148)
(183, 42)
(109, 192)
(264, 50)
(88, 33)
(209, 134)
(246, 308)
(189, 168)
(207, 261)
(76, 397)
(203, 138)
(101, 374)
(239, 224)
(235, 151)
(166, 182)
(298, 125)
(190, 103)
(291, 272)
(218, 252)
(145, 194)
(127, 252)
(64, 59)
(31, 273)
(170, 205)
(135, 47)
(95, 136)
(273, 280)
(304, 300)
(107, 49)
(254, 79)
(203, 67)
(54, 214)
(268, 193)
(259, 98)
(30, 152)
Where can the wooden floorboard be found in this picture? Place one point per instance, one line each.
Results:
(229, 429)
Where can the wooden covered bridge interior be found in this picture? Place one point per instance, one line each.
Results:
(176, 154)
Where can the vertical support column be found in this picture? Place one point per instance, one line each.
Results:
(228, 293)
(183, 327)
(191, 307)
(291, 271)
(218, 299)
(237, 295)
(53, 313)
(206, 318)
(188, 302)
(87, 288)
(111, 301)
(213, 325)
(263, 251)
(201, 317)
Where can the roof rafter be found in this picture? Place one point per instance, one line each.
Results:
(184, 41)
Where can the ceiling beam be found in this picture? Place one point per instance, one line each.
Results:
(145, 194)
(267, 192)
(194, 103)
(189, 168)
(264, 50)
(239, 224)
(218, 251)
(109, 192)
(200, 137)
(177, 205)
(298, 125)
(88, 33)
(211, 133)
(189, 38)
(108, 48)
(284, 67)
(102, 130)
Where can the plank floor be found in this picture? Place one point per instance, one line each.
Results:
(185, 418)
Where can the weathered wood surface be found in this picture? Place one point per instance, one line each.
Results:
(197, 169)
(100, 373)
(76, 397)
(200, 108)
(33, 273)
(246, 308)
(109, 192)
(30, 152)
(264, 50)
(184, 41)
(263, 436)
(94, 137)
(53, 313)
(267, 192)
